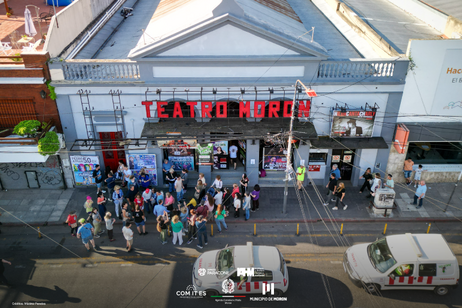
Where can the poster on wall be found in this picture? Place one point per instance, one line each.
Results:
(448, 94)
(354, 123)
(275, 158)
(182, 162)
(220, 148)
(136, 162)
(205, 154)
(83, 167)
(180, 147)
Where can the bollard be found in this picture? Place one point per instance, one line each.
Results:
(211, 230)
(385, 229)
(429, 226)
(298, 230)
(255, 230)
(341, 230)
(39, 233)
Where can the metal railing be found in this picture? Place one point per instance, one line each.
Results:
(100, 70)
(356, 69)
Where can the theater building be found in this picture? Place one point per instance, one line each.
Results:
(188, 81)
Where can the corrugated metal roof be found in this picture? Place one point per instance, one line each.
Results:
(281, 6)
(449, 7)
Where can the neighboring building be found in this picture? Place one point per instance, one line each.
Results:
(24, 95)
(224, 71)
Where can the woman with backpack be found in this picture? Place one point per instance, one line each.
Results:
(237, 204)
(255, 198)
(192, 226)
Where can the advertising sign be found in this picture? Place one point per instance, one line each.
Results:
(83, 167)
(275, 158)
(354, 123)
(220, 148)
(448, 94)
(179, 147)
(182, 162)
(136, 162)
(314, 168)
(335, 158)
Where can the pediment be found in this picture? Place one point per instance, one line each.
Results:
(226, 37)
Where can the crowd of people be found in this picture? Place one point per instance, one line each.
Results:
(135, 201)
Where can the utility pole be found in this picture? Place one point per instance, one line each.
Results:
(452, 194)
(310, 93)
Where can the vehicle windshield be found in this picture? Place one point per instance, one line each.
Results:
(380, 255)
(225, 262)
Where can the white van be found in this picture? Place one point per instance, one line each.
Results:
(403, 262)
(215, 272)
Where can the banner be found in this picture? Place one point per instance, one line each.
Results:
(83, 167)
(181, 147)
(182, 162)
(136, 162)
(220, 148)
(357, 123)
(275, 158)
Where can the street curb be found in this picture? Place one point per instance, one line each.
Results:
(279, 221)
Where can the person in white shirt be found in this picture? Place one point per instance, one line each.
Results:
(218, 196)
(147, 195)
(418, 175)
(127, 174)
(233, 155)
(218, 183)
(128, 234)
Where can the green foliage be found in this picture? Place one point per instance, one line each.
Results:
(19, 59)
(49, 144)
(52, 94)
(27, 128)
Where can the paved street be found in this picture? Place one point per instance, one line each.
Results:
(46, 272)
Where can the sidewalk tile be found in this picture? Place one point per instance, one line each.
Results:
(48, 208)
(424, 214)
(35, 208)
(405, 196)
(25, 202)
(4, 202)
(62, 201)
(38, 201)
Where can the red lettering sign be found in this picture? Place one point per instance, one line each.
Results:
(148, 108)
(244, 109)
(260, 104)
(221, 110)
(314, 168)
(287, 109)
(273, 109)
(206, 109)
(177, 113)
(191, 106)
(304, 110)
(161, 110)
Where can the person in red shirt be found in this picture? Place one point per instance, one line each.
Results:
(235, 190)
(139, 201)
(72, 222)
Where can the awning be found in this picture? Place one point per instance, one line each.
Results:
(434, 131)
(225, 129)
(350, 143)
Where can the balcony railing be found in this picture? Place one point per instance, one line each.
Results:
(103, 71)
(361, 69)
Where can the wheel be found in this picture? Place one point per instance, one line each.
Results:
(441, 290)
(277, 292)
(209, 293)
(372, 288)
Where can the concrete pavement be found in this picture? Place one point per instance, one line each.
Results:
(40, 206)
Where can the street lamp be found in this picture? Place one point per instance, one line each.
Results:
(311, 93)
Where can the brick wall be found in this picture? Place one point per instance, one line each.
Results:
(35, 66)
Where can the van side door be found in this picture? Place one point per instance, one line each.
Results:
(402, 275)
(426, 274)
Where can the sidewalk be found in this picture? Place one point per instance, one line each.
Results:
(52, 206)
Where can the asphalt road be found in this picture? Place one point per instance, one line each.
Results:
(44, 271)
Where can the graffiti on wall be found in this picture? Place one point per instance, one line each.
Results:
(48, 173)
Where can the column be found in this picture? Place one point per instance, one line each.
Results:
(252, 161)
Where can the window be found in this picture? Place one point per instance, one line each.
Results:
(263, 276)
(427, 269)
(435, 152)
(318, 158)
(380, 255)
(404, 270)
(236, 278)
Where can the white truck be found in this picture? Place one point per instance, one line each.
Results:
(403, 262)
